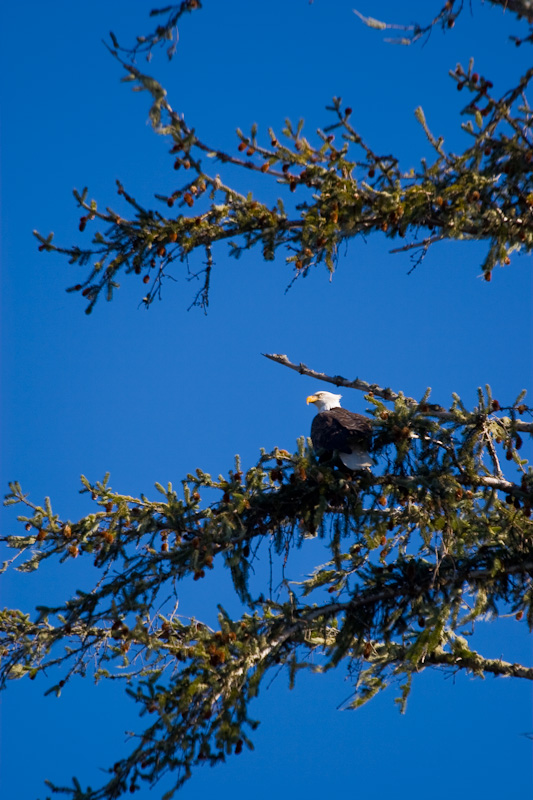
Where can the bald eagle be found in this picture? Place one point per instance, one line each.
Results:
(336, 429)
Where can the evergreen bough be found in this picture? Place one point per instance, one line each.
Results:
(438, 537)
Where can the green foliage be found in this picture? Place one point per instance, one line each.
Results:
(419, 552)
(436, 539)
(338, 188)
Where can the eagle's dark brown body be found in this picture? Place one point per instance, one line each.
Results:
(341, 430)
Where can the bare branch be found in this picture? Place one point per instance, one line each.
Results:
(375, 390)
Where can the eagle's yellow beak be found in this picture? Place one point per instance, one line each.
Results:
(312, 399)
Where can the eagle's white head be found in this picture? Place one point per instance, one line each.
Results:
(324, 401)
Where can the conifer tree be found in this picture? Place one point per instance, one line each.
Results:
(437, 536)
(333, 187)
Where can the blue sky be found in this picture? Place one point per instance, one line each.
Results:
(152, 395)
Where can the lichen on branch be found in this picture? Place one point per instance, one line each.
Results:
(417, 553)
(333, 188)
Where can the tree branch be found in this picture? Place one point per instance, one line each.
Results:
(375, 390)
(446, 19)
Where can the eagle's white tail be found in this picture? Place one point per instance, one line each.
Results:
(357, 459)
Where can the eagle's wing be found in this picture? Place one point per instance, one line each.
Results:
(340, 429)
